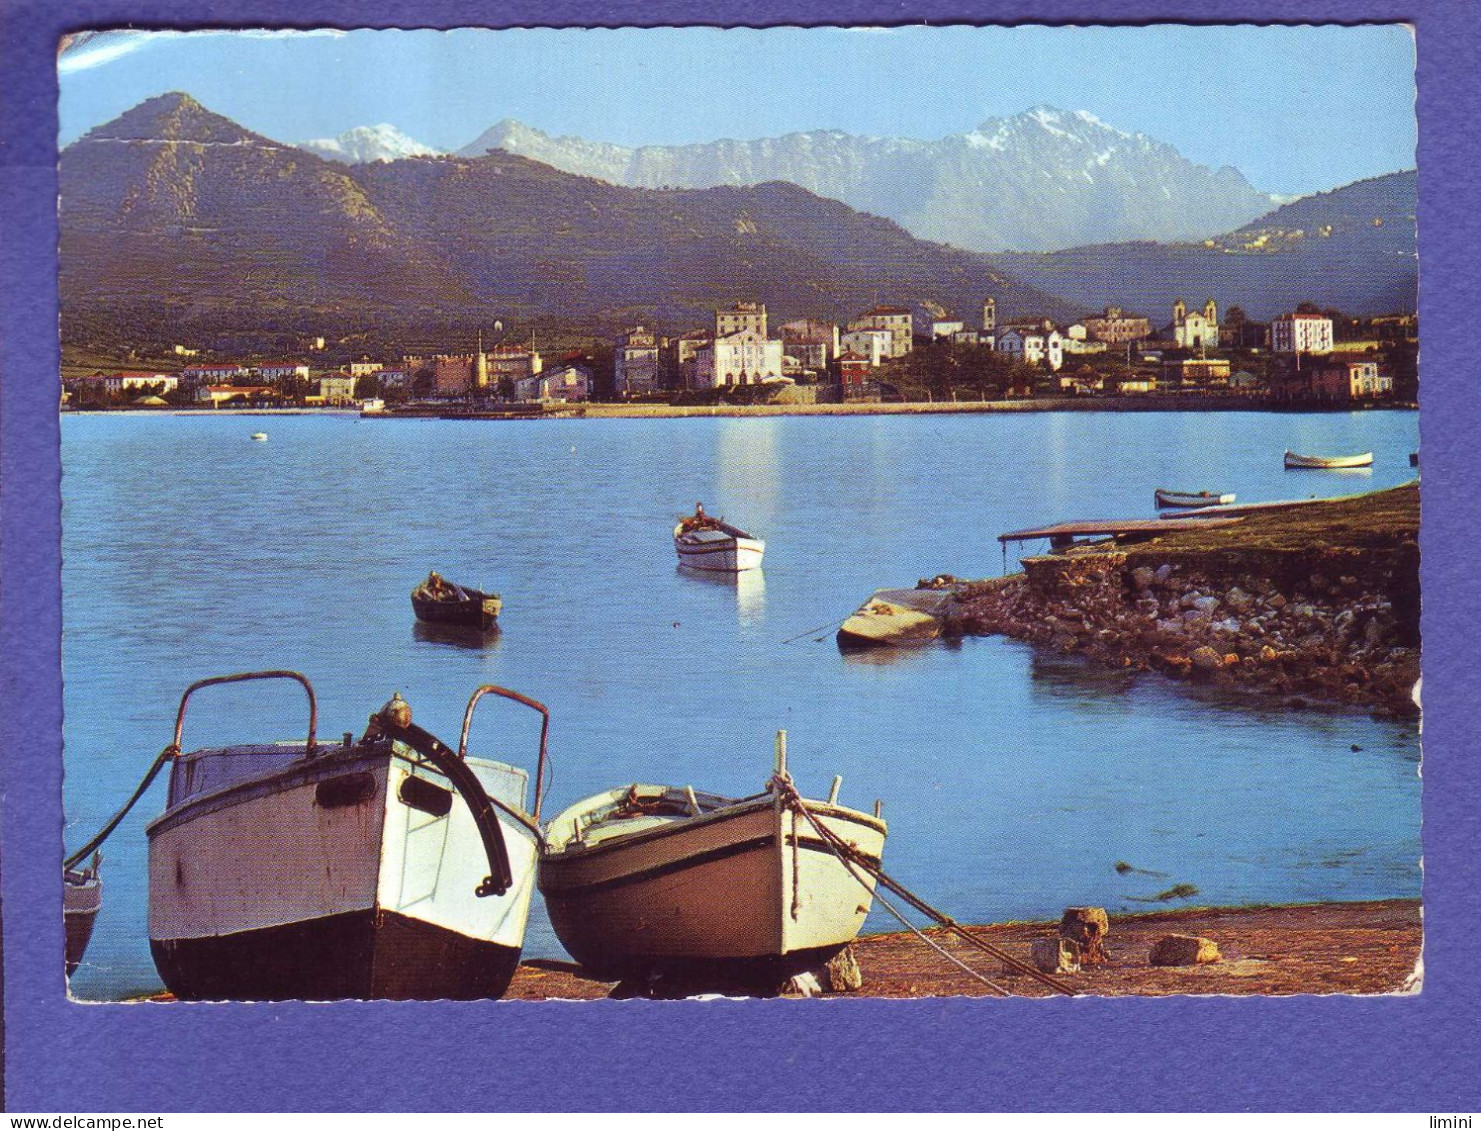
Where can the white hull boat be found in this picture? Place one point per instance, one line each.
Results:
(391, 867)
(650, 878)
(259, 436)
(714, 545)
(1327, 463)
(1190, 499)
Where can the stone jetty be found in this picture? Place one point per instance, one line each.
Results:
(1317, 603)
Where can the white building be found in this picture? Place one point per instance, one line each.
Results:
(1301, 333)
(1194, 329)
(281, 370)
(635, 360)
(362, 368)
(559, 385)
(124, 382)
(1036, 347)
(946, 328)
(896, 319)
(873, 344)
(337, 388)
(742, 358)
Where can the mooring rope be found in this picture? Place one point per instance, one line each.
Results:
(91, 846)
(820, 628)
(846, 851)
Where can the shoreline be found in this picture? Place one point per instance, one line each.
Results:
(1361, 947)
(604, 411)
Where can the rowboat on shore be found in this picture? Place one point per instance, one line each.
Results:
(1327, 463)
(652, 879)
(82, 899)
(388, 867)
(1189, 499)
(439, 601)
(712, 544)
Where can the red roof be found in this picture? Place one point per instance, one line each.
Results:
(1311, 317)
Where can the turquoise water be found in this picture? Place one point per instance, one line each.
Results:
(1013, 781)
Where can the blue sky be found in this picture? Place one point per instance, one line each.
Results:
(1296, 109)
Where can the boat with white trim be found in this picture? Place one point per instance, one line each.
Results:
(648, 879)
(388, 867)
(713, 544)
(1190, 499)
(1327, 463)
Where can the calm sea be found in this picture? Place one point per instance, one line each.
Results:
(1013, 781)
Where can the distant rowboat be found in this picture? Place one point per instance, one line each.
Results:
(1164, 498)
(712, 544)
(440, 601)
(1328, 463)
(259, 436)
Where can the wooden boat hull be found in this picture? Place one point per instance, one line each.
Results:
(724, 550)
(480, 611)
(1189, 499)
(82, 899)
(747, 890)
(1327, 463)
(272, 876)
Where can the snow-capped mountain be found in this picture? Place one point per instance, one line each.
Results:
(1040, 180)
(364, 144)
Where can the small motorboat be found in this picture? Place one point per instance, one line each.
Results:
(1165, 498)
(896, 618)
(388, 867)
(651, 879)
(1327, 463)
(713, 544)
(82, 899)
(439, 601)
(259, 436)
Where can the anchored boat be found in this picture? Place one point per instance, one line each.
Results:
(259, 436)
(654, 878)
(1190, 499)
(713, 544)
(1327, 463)
(388, 867)
(82, 899)
(897, 617)
(439, 601)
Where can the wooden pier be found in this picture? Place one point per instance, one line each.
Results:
(1062, 535)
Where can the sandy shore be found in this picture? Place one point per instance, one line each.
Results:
(1326, 948)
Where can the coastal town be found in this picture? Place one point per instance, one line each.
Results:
(1308, 357)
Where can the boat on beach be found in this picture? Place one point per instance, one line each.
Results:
(391, 866)
(1190, 499)
(82, 899)
(439, 601)
(713, 544)
(1327, 463)
(651, 879)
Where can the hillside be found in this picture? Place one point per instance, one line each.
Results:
(1354, 248)
(1040, 180)
(173, 204)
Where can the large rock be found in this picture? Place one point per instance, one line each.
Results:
(1088, 928)
(1206, 659)
(1055, 955)
(1183, 950)
(842, 974)
(1143, 577)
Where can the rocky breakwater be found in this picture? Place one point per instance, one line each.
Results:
(1318, 603)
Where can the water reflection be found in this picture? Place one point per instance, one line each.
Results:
(748, 472)
(749, 586)
(457, 635)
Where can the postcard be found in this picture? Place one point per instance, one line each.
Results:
(687, 519)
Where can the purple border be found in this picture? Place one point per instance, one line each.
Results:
(1318, 1054)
